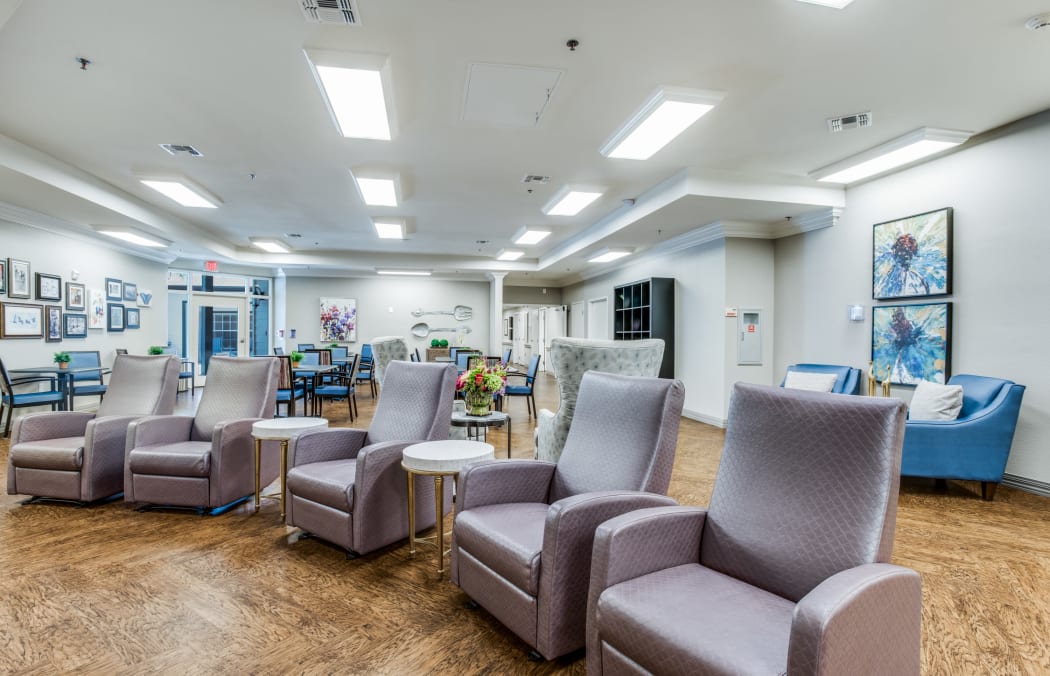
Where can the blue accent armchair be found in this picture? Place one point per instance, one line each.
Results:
(973, 447)
(847, 379)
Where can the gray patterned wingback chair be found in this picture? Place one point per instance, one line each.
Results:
(787, 570)
(386, 349)
(207, 460)
(571, 358)
(347, 485)
(78, 455)
(521, 545)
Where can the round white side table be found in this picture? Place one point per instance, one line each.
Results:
(283, 430)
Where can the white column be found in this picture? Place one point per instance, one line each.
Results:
(278, 300)
(496, 312)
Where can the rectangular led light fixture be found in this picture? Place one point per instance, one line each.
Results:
(606, 255)
(528, 236)
(389, 228)
(356, 89)
(410, 273)
(132, 236)
(898, 152)
(270, 245)
(572, 199)
(378, 189)
(183, 191)
(509, 254)
(666, 113)
(837, 4)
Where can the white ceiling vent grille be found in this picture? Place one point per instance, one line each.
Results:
(535, 178)
(340, 12)
(845, 122)
(174, 149)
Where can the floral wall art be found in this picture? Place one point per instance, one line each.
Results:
(912, 257)
(338, 320)
(912, 343)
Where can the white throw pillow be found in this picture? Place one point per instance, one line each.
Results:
(817, 382)
(933, 401)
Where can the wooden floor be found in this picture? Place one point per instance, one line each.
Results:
(107, 590)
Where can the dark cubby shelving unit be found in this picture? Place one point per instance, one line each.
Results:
(645, 309)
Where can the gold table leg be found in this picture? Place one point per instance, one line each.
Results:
(439, 526)
(411, 512)
(284, 474)
(258, 460)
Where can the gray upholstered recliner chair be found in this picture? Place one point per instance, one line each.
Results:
(78, 455)
(571, 358)
(787, 570)
(347, 486)
(206, 461)
(521, 545)
(385, 350)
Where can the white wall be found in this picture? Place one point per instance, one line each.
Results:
(384, 308)
(997, 189)
(749, 284)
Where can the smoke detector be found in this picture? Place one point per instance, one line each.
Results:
(854, 121)
(341, 12)
(175, 149)
(1038, 22)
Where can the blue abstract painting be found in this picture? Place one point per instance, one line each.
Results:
(912, 343)
(912, 257)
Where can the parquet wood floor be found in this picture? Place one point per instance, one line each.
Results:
(107, 590)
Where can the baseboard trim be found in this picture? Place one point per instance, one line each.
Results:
(1028, 485)
(704, 418)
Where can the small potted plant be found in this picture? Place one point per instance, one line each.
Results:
(333, 344)
(295, 358)
(63, 359)
(155, 349)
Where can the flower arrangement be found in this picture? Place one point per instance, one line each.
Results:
(479, 384)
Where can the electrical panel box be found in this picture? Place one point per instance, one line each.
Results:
(749, 328)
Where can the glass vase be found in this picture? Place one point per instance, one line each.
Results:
(478, 403)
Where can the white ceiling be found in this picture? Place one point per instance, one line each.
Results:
(230, 79)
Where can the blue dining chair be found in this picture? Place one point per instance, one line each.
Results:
(87, 383)
(340, 386)
(11, 400)
(526, 389)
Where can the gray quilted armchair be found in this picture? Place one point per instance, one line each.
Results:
(347, 486)
(385, 350)
(787, 570)
(206, 461)
(79, 456)
(521, 544)
(571, 358)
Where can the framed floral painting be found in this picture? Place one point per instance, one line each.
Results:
(911, 343)
(912, 257)
(338, 320)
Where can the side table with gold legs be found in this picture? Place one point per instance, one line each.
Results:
(283, 430)
(438, 459)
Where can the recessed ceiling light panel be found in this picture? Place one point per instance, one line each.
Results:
(666, 113)
(357, 89)
(378, 188)
(389, 228)
(509, 254)
(270, 245)
(572, 199)
(837, 4)
(528, 236)
(184, 191)
(132, 236)
(896, 153)
(409, 273)
(606, 255)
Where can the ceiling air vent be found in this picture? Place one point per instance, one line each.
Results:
(174, 149)
(340, 12)
(845, 122)
(535, 178)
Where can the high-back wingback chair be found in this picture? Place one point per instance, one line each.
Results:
(207, 460)
(976, 445)
(787, 570)
(79, 456)
(847, 378)
(385, 350)
(571, 358)
(521, 544)
(347, 486)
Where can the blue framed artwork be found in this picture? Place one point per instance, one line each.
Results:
(912, 257)
(114, 317)
(131, 318)
(911, 343)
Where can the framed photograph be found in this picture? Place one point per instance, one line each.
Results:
(17, 278)
(3, 276)
(48, 287)
(912, 257)
(53, 323)
(338, 320)
(96, 310)
(131, 292)
(910, 343)
(131, 318)
(114, 289)
(19, 320)
(114, 317)
(74, 325)
(76, 296)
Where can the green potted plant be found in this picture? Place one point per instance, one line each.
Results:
(296, 357)
(333, 344)
(155, 349)
(63, 359)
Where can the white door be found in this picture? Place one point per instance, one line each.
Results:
(217, 325)
(598, 319)
(577, 328)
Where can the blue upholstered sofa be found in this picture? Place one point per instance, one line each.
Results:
(975, 446)
(847, 379)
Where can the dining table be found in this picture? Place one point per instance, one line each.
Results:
(310, 373)
(64, 377)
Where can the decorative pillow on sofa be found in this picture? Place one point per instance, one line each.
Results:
(933, 401)
(802, 380)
